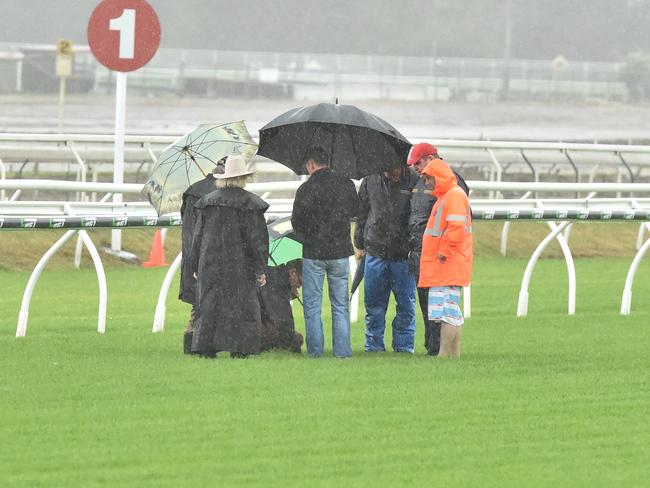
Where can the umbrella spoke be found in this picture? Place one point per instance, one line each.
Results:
(188, 159)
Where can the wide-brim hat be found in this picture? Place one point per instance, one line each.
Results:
(235, 166)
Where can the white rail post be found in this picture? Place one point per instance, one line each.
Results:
(23, 315)
(522, 304)
(626, 302)
(506, 229)
(101, 279)
(570, 265)
(499, 172)
(82, 169)
(118, 161)
(3, 176)
(159, 316)
(77, 251)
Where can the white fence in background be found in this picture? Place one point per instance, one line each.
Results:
(551, 210)
(88, 156)
(319, 75)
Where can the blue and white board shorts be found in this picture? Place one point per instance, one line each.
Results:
(443, 305)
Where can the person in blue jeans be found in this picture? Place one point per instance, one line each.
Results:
(322, 211)
(382, 235)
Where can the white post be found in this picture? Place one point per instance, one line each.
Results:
(19, 76)
(118, 161)
(77, 252)
(61, 101)
(504, 238)
(101, 279)
(3, 176)
(570, 265)
(21, 329)
(159, 316)
(626, 303)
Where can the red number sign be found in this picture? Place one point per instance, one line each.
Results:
(124, 34)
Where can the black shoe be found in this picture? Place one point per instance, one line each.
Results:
(187, 343)
(238, 355)
(207, 355)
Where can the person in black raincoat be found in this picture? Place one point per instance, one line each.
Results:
(230, 250)
(278, 327)
(189, 212)
(422, 201)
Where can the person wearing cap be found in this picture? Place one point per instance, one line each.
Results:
(187, 291)
(322, 212)
(382, 234)
(422, 201)
(230, 250)
(446, 261)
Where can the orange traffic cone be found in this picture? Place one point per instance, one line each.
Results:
(157, 254)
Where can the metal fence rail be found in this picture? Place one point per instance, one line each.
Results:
(557, 213)
(91, 155)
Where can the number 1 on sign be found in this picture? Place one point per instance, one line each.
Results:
(125, 23)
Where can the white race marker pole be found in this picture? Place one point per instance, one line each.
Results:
(118, 161)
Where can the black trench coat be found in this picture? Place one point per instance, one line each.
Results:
(230, 248)
(189, 213)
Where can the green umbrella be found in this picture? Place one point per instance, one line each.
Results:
(284, 244)
(192, 158)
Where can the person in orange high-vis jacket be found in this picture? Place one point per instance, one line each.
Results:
(446, 262)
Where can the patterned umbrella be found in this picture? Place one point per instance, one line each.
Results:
(192, 158)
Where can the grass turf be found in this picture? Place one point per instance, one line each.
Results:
(537, 401)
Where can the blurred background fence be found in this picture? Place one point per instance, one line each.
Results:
(309, 76)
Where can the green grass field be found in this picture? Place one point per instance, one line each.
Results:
(547, 400)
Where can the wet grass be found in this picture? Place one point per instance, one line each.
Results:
(537, 401)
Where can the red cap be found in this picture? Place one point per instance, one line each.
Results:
(420, 150)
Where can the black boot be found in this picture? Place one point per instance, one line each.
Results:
(187, 343)
(434, 338)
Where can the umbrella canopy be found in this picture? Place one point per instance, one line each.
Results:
(191, 158)
(284, 244)
(358, 143)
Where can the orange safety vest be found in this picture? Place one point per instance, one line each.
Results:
(448, 232)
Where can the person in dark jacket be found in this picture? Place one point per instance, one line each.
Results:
(382, 235)
(322, 211)
(422, 201)
(187, 291)
(278, 328)
(230, 250)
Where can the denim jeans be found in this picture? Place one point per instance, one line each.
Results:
(381, 277)
(313, 275)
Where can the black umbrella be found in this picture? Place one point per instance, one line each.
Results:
(357, 142)
(358, 275)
